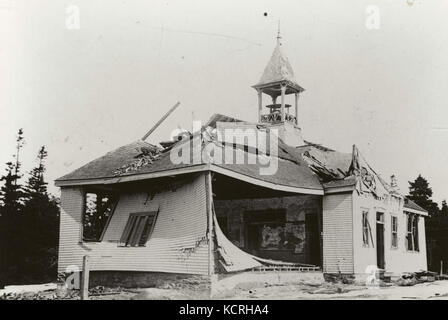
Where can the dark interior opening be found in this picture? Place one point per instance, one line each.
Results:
(267, 223)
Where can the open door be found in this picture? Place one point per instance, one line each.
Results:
(380, 240)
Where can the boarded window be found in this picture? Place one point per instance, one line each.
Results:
(394, 227)
(365, 228)
(412, 232)
(138, 229)
(98, 209)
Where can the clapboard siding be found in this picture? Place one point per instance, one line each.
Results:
(70, 223)
(178, 242)
(337, 222)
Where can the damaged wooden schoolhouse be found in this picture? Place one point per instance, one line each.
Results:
(143, 212)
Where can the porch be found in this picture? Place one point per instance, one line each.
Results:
(269, 224)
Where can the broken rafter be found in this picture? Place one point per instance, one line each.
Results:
(160, 121)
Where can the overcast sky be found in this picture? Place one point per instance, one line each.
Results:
(83, 92)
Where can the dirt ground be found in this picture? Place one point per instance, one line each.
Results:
(312, 291)
(428, 290)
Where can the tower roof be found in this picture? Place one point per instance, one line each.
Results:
(278, 70)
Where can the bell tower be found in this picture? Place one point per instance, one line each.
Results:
(278, 81)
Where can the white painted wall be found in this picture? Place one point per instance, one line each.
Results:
(181, 223)
(398, 259)
(337, 233)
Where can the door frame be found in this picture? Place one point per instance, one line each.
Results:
(380, 245)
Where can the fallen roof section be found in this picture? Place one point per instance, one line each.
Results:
(140, 161)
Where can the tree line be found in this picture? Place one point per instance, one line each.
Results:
(29, 222)
(436, 225)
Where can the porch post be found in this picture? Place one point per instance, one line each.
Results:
(209, 206)
(283, 89)
(297, 108)
(260, 105)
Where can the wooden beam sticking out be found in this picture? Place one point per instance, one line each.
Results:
(209, 206)
(160, 121)
(85, 279)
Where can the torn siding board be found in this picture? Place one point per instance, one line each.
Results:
(232, 258)
(338, 233)
(178, 243)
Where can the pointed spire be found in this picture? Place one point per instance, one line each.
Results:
(279, 37)
(278, 67)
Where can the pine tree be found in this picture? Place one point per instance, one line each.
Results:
(36, 188)
(420, 192)
(40, 225)
(12, 196)
(444, 209)
(436, 224)
(11, 193)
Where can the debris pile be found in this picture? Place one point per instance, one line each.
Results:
(324, 172)
(412, 278)
(146, 156)
(64, 294)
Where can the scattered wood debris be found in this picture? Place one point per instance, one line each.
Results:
(61, 294)
(146, 156)
(412, 278)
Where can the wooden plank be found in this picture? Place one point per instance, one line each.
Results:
(209, 206)
(160, 121)
(85, 278)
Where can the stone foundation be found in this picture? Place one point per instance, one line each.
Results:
(340, 277)
(136, 279)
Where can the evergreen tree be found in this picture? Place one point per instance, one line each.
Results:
(436, 224)
(40, 226)
(444, 209)
(36, 188)
(11, 195)
(420, 192)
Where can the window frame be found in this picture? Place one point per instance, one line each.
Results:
(132, 235)
(394, 231)
(412, 233)
(365, 228)
(113, 197)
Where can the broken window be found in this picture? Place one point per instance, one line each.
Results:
(394, 227)
(138, 229)
(98, 208)
(365, 228)
(412, 232)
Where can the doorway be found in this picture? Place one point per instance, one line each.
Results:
(312, 237)
(380, 240)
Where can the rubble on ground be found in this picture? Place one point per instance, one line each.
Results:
(412, 278)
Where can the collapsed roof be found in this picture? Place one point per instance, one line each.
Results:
(139, 159)
(311, 168)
